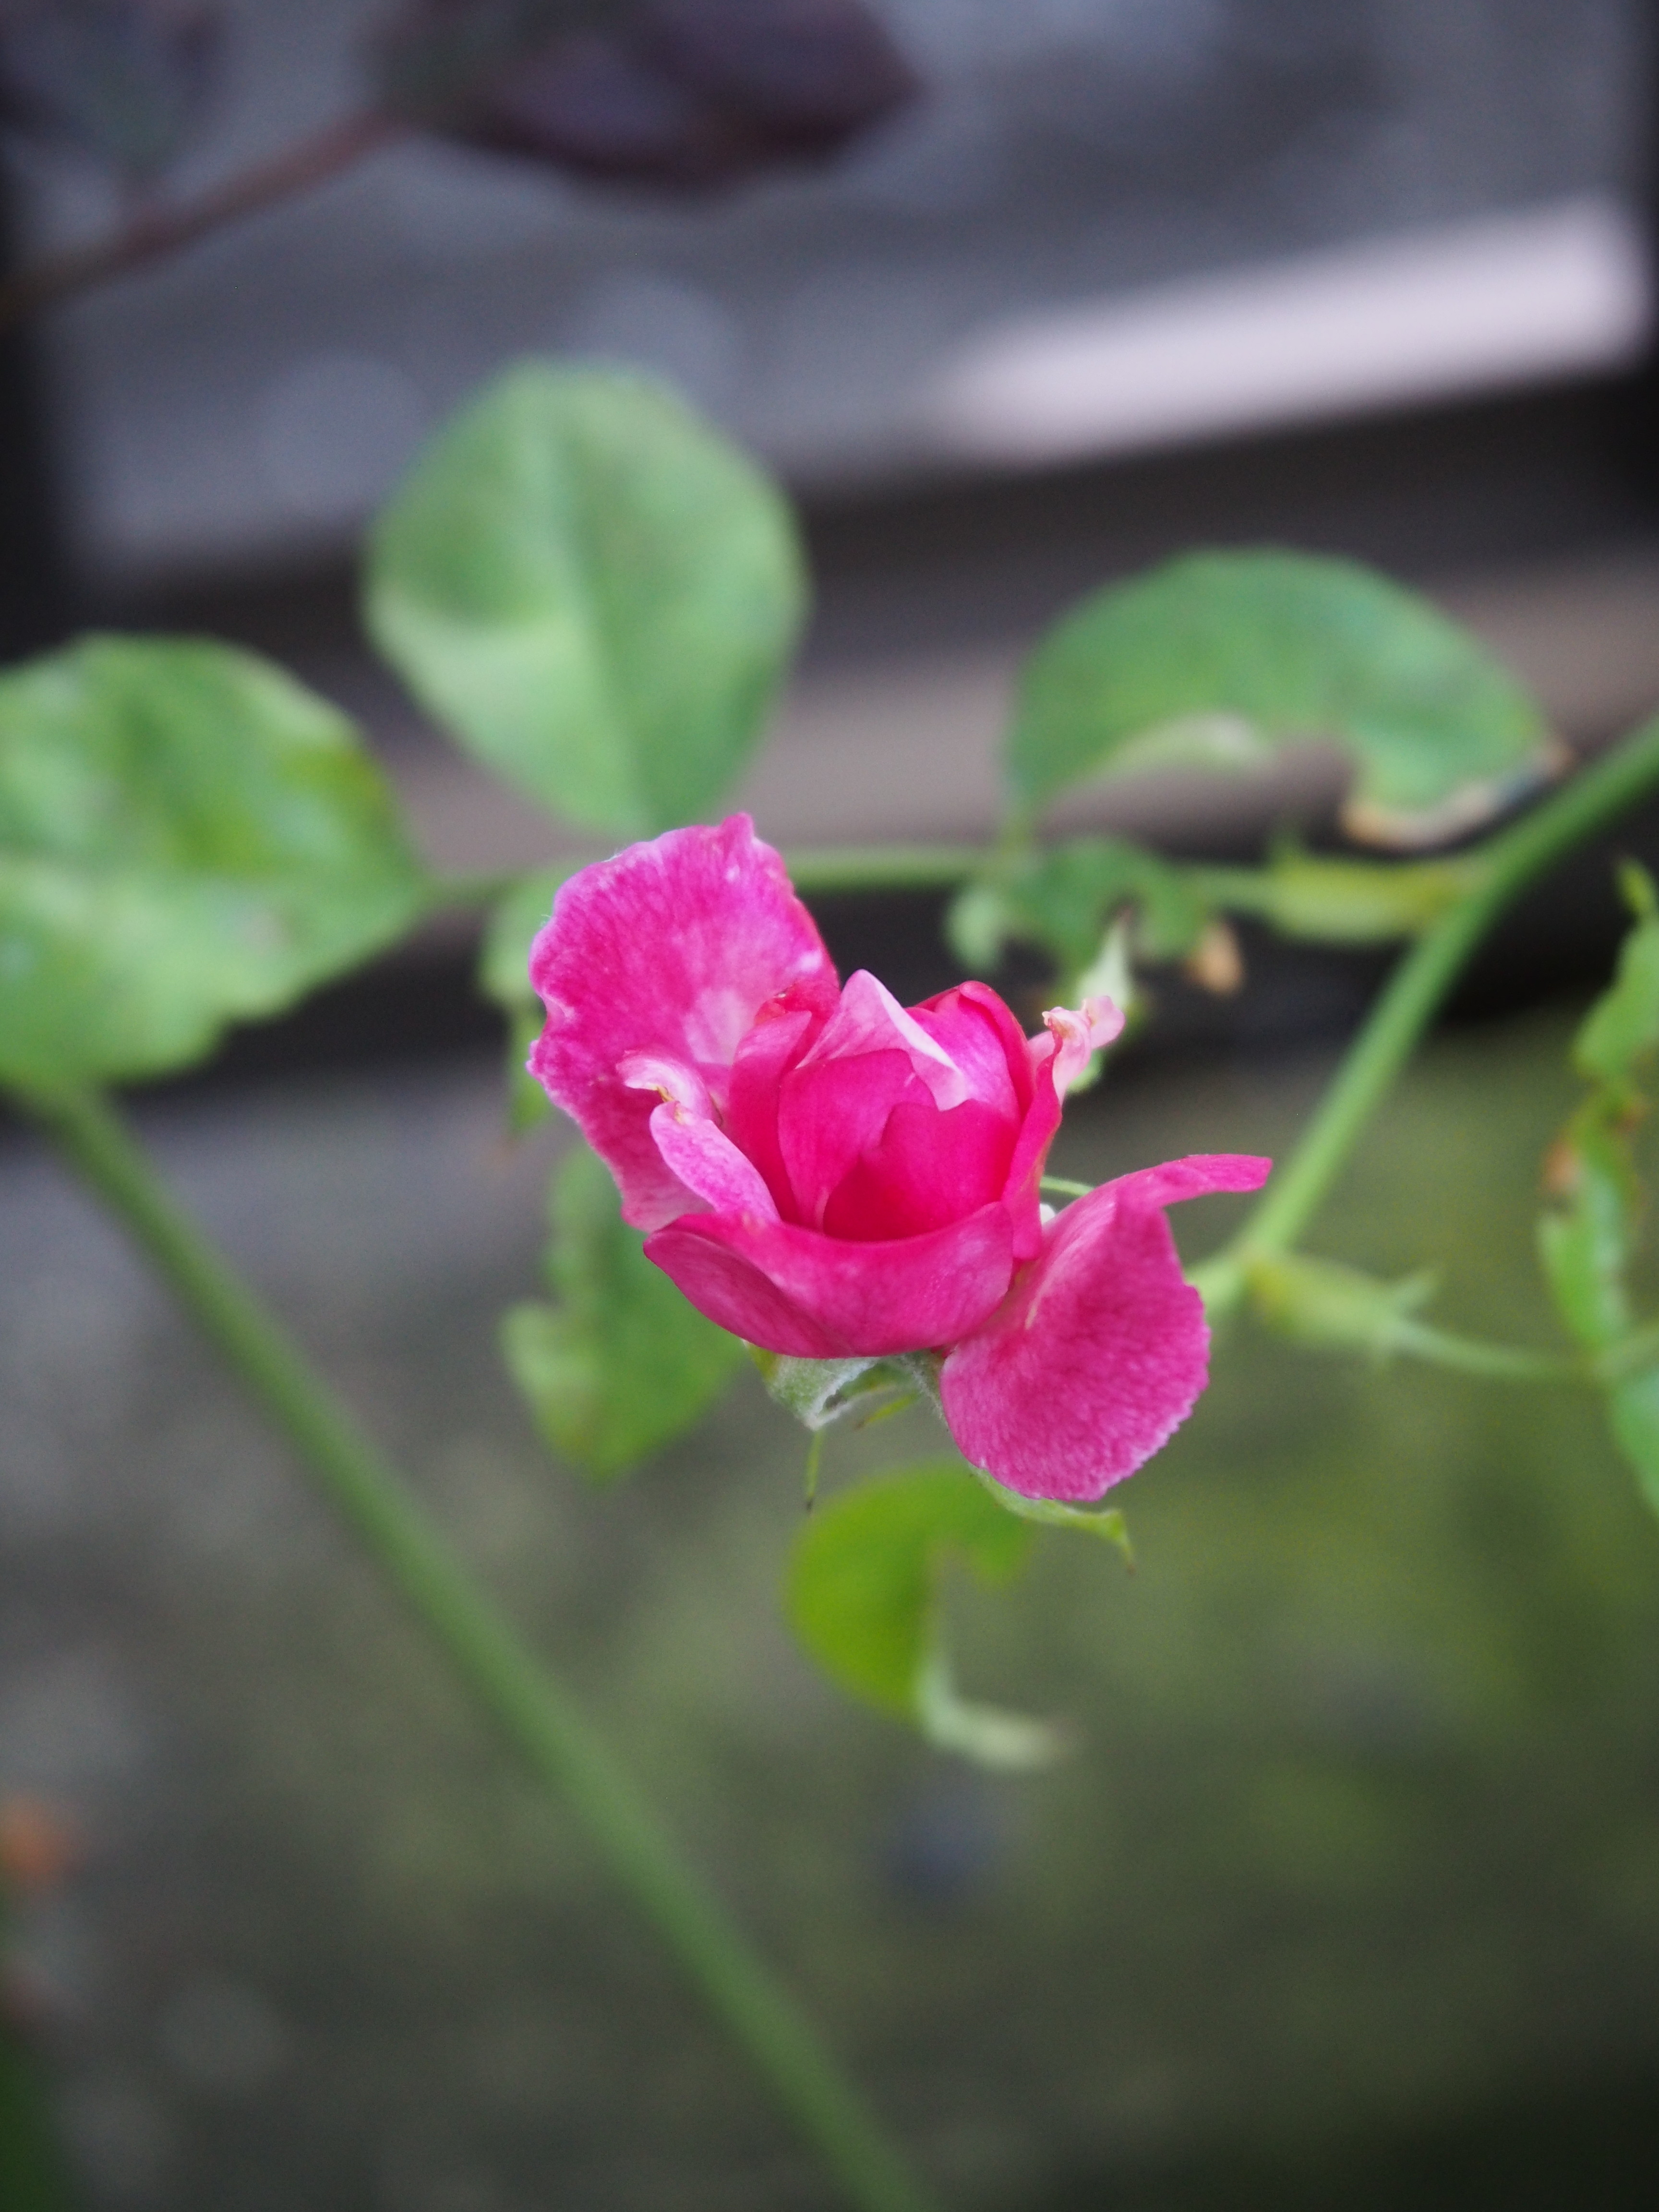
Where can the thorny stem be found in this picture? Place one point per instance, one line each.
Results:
(1592, 800)
(164, 229)
(514, 1685)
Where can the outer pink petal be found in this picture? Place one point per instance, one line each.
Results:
(791, 1290)
(1098, 1353)
(670, 948)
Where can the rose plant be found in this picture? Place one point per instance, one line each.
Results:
(597, 598)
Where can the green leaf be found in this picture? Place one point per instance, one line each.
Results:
(1622, 1028)
(515, 919)
(598, 593)
(504, 976)
(1586, 1238)
(622, 1365)
(187, 838)
(863, 1598)
(1633, 1416)
(1063, 899)
(1107, 1524)
(1219, 660)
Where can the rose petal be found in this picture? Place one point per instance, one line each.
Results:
(791, 1290)
(871, 1019)
(670, 948)
(831, 1113)
(927, 1171)
(1098, 1353)
(1078, 1036)
(982, 1038)
(709, 1164)
(780, 1034)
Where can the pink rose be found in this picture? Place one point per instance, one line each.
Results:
(827, 1173)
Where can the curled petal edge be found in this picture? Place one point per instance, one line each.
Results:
(1099, 1351)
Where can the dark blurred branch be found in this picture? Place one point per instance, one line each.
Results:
(163, 230)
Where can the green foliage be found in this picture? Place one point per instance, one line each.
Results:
(1633, 1417)
(863, 1596)
(1341, 902)
(1327, 1306)
(187, 837)
(1106, 1523)
(1622, 1028)
(1063, 898)
(1587, 1237)
(596, 592)
(1218, 660)
(820, 1391)
(622, 1365)
(504, 976)
(1588, 1234)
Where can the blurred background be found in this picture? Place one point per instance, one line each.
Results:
(1354, 1888)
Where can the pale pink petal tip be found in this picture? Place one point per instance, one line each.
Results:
(1078, 1035)
(1097, 1354)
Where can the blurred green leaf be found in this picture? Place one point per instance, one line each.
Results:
(515, 919)
(1587, 1237)
(622, 1365)
(1622, 1027)
(1633, 1416)
(1105, 1524)
(1218, 660)
(863, 1597)
(1063, 898)
(187, 837)
(504, 976)
(597, 592)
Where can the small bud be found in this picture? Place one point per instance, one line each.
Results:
(1215, 962)
(1562, 1171)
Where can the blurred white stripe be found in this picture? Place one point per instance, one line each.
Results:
(1508, 301)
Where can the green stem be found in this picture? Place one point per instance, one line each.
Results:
(525, 1699)
(1594, 800)
(1498, 1363)
(1241, 890)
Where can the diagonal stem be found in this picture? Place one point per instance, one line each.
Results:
(526, 1702)
(163, 230)
(1592, 801)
